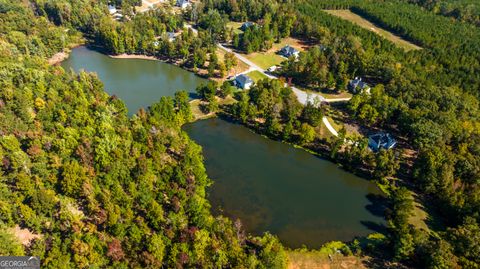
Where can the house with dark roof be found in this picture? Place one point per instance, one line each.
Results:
(243, 82)
(381, 140)
(246, 25)
(289, 51)
(356, 85)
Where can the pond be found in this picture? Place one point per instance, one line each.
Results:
(138, 82)
(272, 186)
(268, 185)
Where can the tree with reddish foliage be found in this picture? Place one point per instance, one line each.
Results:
(115, 251)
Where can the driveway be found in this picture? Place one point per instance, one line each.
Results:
(303, 97)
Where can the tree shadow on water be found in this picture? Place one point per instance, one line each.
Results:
(374, 226)
(193, 95)
(378, 204)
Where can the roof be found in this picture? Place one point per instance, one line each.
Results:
(243, 79)
(112, 9)
(183, 2)
(381, 140)
(289, 50)
(358, 83)
(171, 35)
(246, 25)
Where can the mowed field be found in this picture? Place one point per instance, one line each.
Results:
(270, 57)
(352, 17)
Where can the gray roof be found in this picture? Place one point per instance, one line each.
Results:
(289, 51)
(357, 83)
(246, 25)
(243, 79)
(182, 2)
(381, 140)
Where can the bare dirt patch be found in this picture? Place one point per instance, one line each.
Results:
(308, 260)
(24, 235)
(58, 58)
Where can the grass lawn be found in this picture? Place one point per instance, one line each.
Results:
(419, 216)
(270, 57)
(235, 26)
(265, 60)
(256, 75)
(239, 68)
(198, 113)
(334, 95)
(352, 17)
(336, 125)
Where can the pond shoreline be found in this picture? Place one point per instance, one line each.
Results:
(241, 191)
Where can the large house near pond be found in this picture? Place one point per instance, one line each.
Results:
(381, 140)
(356, 85)
(183, 3)
(243, 82)
(289, 51)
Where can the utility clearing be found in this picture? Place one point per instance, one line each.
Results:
(360, 21)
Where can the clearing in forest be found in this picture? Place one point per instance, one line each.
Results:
(358, 20)
(269, 58)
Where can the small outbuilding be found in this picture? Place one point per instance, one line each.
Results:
(243, 82)
(356, 85)
(272, 69)
(381, 140)
(289, 51)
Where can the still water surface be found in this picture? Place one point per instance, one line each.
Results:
(270, 186)
(139, 83)
(275, 187)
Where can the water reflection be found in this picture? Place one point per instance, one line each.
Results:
(275, 187)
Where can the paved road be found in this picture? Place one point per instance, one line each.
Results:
(303, 97)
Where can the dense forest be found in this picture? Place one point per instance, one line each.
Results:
(272, 22)
(105, 190)
(430, 96)
(98, 188)
(463, 10)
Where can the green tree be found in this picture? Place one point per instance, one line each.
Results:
(307, 133)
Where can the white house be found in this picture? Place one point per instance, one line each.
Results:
(112, 9)
(183, 3)
(243, 82)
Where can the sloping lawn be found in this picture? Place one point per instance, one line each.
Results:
(269, 58)
(358, 20)
(265, 60)
(235, 26)
(256, 75)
